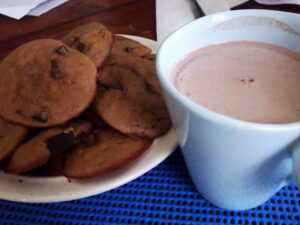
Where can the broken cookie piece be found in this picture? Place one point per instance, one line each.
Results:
(39, 149)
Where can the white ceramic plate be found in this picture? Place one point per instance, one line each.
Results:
(56, 189)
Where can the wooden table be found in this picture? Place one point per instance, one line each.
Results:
(136, 17)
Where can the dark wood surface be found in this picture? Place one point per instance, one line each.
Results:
(136, 17)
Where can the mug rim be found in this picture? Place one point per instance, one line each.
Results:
(201, 110)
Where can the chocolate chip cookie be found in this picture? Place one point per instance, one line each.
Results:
(130, 105)
(109, 151)
(45, 83)
(93, 39)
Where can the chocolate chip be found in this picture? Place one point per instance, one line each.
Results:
(19, 112)
(103, 35)
(129, 49)
(104, 85)
(76, 43)
(62, 50)
(41, 116)
(55, 73)
(82, 47)
(148, 87)
(251, 80)
(60, 142)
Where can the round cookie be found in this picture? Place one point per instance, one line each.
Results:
(45, 83)
(110, 151)
(126, 46)
(134, 108)
(93, 39)
(47, 144)
(11, 136)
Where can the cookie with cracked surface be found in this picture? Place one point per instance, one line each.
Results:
(45, 83)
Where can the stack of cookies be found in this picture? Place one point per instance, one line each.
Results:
(80, 107)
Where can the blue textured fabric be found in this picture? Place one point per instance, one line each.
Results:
(164, 195)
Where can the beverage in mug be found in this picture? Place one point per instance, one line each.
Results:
(232, 86)
(250, 81)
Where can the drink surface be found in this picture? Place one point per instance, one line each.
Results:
(246, 80)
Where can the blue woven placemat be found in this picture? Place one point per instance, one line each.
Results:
(165, 195)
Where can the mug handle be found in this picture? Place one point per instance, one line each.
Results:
(296, 163)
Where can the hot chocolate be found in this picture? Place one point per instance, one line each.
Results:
(250, 81)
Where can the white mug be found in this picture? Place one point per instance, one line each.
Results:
(234, 164)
